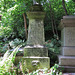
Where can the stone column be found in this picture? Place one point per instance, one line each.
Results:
(35, 53)
(67, 60)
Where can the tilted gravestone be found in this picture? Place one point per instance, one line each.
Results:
(67, 60)
(35, 53)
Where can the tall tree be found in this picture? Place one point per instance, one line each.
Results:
(63, 2)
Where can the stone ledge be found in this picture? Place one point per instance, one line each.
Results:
(67, 60)
(36, 51)
(68, 17)
(36, 15)
(67, 21)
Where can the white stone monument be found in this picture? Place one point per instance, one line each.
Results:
(67, 60)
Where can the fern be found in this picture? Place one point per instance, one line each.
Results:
(7, 61)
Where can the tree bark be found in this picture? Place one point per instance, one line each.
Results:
(51, 18)
(63, 2)
(25, 25)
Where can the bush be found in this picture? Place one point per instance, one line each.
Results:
(53, 46)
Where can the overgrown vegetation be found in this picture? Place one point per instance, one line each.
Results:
(13, 13)
(7, 66)
(14, 23)
(6, 63)
(53, 71)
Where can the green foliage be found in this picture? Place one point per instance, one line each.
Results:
(53, 71)
(16, 42)
(5, 31)
(6, 62)
(11, 44)
(12, 16)
(54, 45)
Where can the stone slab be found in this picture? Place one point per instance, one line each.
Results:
(68, 51)
(29, 63)
(68, 36)
(67, 69)
(67, 61)
(68, 17)
(65, 22)
(36, 51)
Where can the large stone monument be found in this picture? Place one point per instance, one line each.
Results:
(67, 60)
(35, 53)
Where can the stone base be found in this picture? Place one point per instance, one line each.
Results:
(67, 60)
(33, 63)
(67, 69)
(67, 64)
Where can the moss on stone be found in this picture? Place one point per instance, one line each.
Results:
(36, 8)
(36, 15)
(39, 52)
(27, 63)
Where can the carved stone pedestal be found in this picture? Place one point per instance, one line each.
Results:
(35, 53)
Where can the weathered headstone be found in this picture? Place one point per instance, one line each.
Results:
(35, 53)
(67, 60)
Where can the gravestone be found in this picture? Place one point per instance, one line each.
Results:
(67, 60)
(35, 52)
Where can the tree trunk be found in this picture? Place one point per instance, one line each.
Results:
(51, 17)
(25, 25)
(63, 2)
